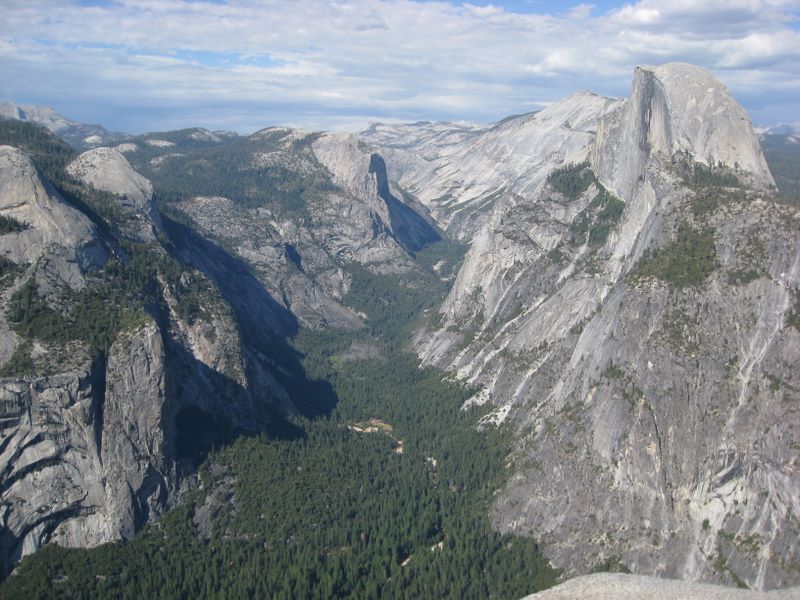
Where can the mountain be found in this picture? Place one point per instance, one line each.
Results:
(788, 129)
(134, 341)
(206, 347)
(79, 135)
(302, 209)
(633, 319)
(338, 461)
(115, 354)
(782, 151)
(461, 172)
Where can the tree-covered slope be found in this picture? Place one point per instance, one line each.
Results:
(783, 157)
(114, 352)
(385, 498)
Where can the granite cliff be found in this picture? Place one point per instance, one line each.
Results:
(629, 308)
(461, 172)
(112, 351)
(304, 209)
(632, 317)
(134, 341)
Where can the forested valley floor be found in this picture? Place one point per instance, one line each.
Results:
(384, 497)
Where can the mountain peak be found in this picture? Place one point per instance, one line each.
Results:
(79, 135)
(677, 108)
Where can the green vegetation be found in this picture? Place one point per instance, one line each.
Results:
(286, 181)
(556, 255)
(613, 564)
(8, 271)
(597, 220)
(613, 372)
(10, 225)
(442, 257)
(334, 513)
(325, 510)
(752, 260)
(51, 156)
(50, 153)
(20, 362)
(783, 159)
(743, 276)
(572, 180)
(314, 508)
(115, 300)
(793, 319)
(610, 212)
(600, 216)
(698, 175)
(686, 261)
(681, 328)
(96, 315)
(391, 302)
(395, 303)
(720, 564)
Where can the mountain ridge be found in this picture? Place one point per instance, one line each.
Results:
(625, 310)
(566, 332)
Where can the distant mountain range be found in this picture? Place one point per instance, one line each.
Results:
(80, 136)
(789, 129)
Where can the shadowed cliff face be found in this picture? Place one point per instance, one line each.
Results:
(632, 320)
(102, 427)
(459, 173)
(99, 434)
(410, 229)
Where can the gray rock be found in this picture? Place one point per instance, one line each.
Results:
(137, 428)
(459, 173)
(50, 222)
(653, 422)
(676, 108)
(617, 586)
(302, 262)
(106, 169)
(83, 452)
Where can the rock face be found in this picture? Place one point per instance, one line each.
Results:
(284, 267)
(44, 479)
(301, 254)
(94, 441)
(106, 169)
(363, 176)
(47, 221)
(617, 586)
(83, 451)
(676, 108)
(629, 307)
(137, 426)
(459, 173)
(653, 405)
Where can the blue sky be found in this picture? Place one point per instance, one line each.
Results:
(139, 65)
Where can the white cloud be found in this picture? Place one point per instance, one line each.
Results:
(322, 63)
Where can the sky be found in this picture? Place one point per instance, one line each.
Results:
(150, 65)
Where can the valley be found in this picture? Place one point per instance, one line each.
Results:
(423, 360)
(319, 508)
